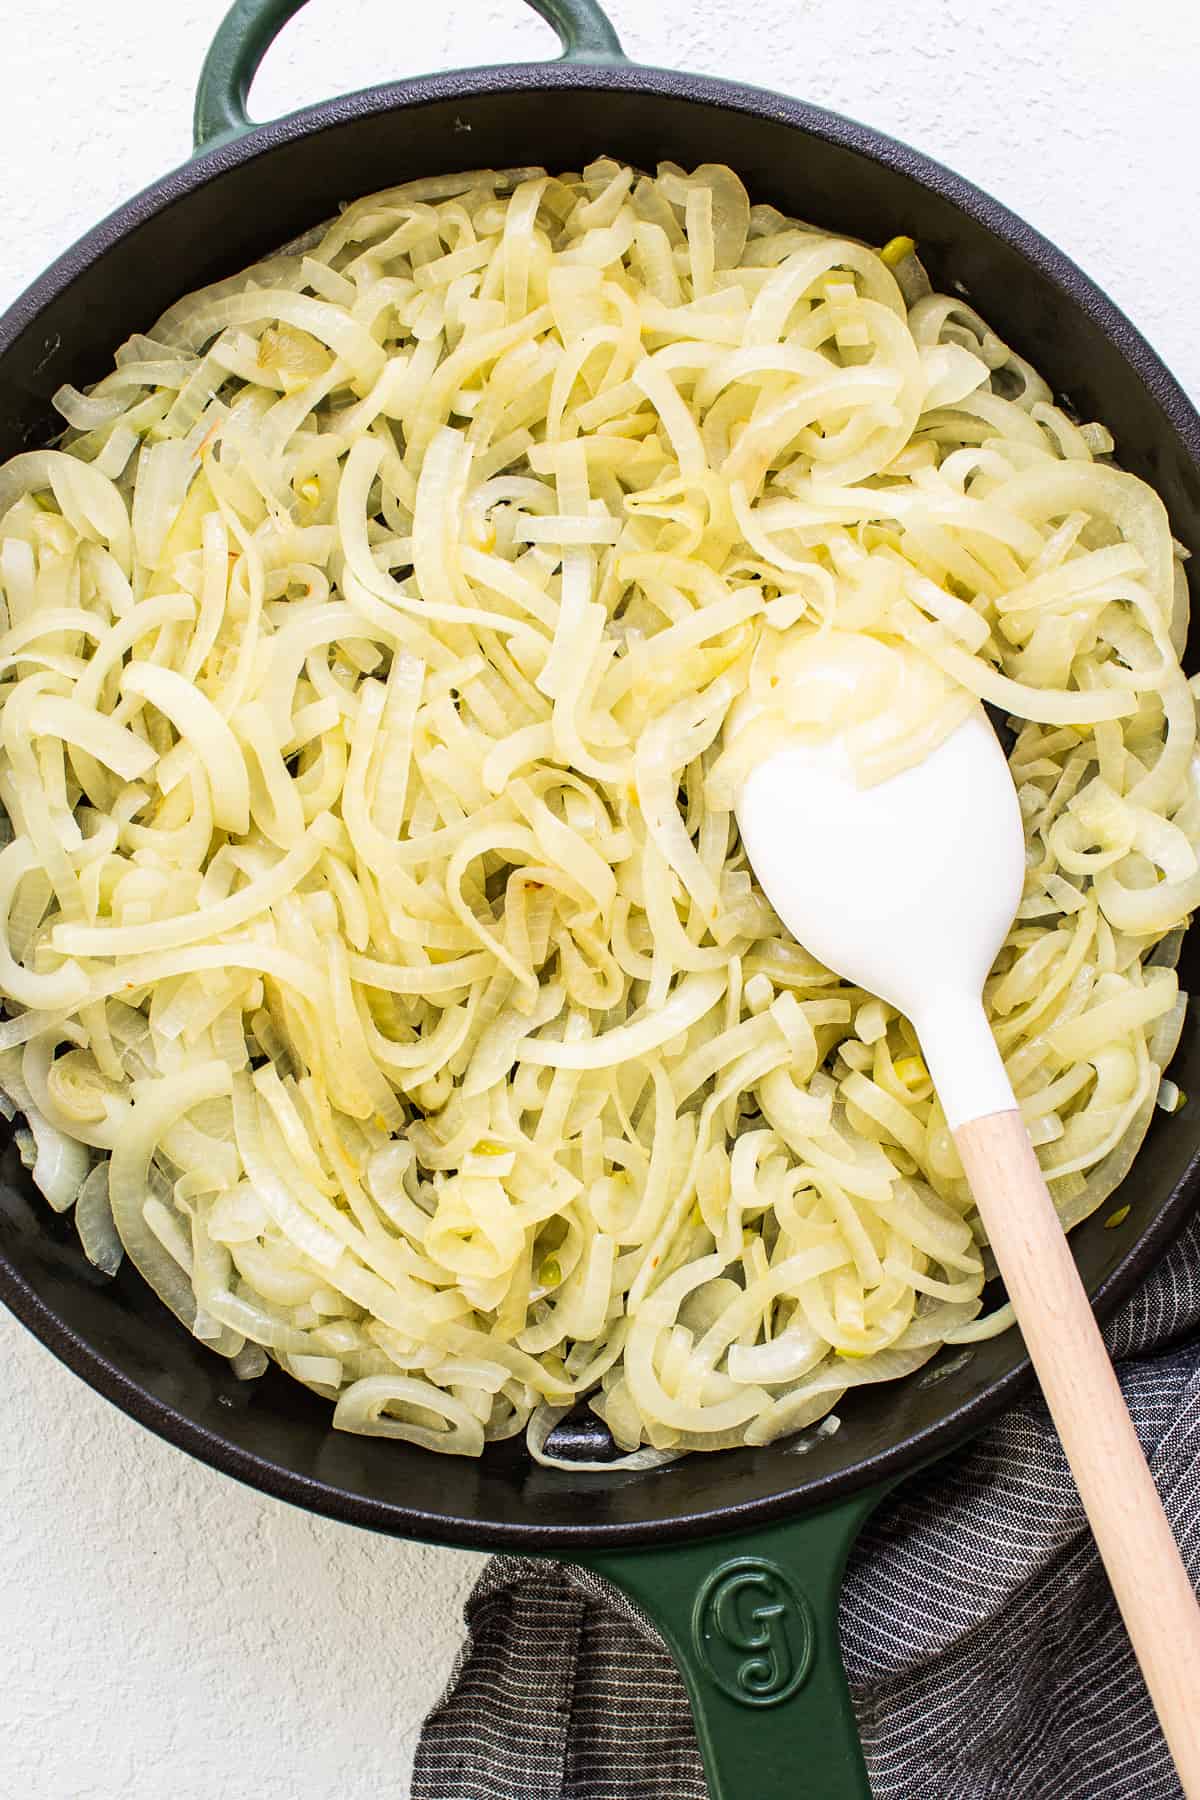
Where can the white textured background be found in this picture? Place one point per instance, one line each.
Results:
(164, 1632)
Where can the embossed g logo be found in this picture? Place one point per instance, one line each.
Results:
(754, 1630)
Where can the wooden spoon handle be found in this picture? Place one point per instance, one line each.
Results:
(1151, 1584)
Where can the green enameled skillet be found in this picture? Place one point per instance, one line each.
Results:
(738, 1556)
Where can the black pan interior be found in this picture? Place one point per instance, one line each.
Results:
(210, 219)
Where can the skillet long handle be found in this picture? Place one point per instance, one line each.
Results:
(752, 1621)
(250, 27)
(1152, 1587)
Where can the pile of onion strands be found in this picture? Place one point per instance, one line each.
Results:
(384, 976)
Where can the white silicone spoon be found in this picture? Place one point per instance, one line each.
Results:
(908, 889)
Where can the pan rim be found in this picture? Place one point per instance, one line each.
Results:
(84, 1358)
(630, 77)
(881, 1469)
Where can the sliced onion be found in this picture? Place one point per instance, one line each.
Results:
(387, 640)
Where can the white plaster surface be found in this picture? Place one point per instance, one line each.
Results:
(164, 1633)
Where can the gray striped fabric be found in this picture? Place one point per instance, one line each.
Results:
(984, 1651)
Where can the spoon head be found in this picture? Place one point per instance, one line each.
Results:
(906, 888)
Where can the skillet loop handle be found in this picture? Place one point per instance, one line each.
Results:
(250, 27)
(752, 1622)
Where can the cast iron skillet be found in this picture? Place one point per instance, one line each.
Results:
(738, 1556)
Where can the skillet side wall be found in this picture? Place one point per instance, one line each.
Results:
(211, 218)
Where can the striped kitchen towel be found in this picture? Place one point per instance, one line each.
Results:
(985, 1654)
